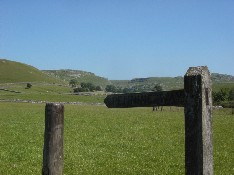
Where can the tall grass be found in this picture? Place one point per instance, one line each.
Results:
(98, 140)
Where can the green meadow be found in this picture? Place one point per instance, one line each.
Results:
(45, 92)
(98, 140)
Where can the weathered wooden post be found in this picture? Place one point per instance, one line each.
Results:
(198, 135)
(196, 97)
(53, 139)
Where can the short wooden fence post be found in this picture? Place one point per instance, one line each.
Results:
(198, 134)
(53, 139)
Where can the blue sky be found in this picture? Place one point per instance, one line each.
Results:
(119, 39)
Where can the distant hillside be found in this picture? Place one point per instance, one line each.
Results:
(80, 76)
(222, 78)
(12, 72)
(139, 84)
(147, 84)
(171, 83)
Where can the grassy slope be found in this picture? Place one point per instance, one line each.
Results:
(108, 141)
(13, 78)
(11, 71)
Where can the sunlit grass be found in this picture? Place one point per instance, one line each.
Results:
(223, 140)
(124, 141)
(98, 140)
(21, 128)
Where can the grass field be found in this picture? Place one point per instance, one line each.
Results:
(45, 92)
(108, 141)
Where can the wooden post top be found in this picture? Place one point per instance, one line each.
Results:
(199, 70)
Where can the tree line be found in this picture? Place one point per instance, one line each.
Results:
(114, 89)
(224, 97)
(90, 87)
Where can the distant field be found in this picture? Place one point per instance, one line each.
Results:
(45, 92)
(108, 141)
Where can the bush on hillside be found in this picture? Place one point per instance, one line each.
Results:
(29, 85)
(224, 97)
(114, 89)
(73, 82)
(87, 87)
(157, 88)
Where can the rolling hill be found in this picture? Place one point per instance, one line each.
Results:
(13, 72)
(172, 83)
(147, 84)
(52, 85)
(140, 84)
(80, 76)
(15, 76)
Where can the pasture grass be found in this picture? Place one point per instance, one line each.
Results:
(45, 92)
(37, 87)
(98, 140)
(54, 97)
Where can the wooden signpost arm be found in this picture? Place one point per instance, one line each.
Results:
(146, 99)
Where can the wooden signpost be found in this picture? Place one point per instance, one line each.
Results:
(197, 101)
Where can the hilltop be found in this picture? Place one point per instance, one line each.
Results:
(13, 72)
(79, 75)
